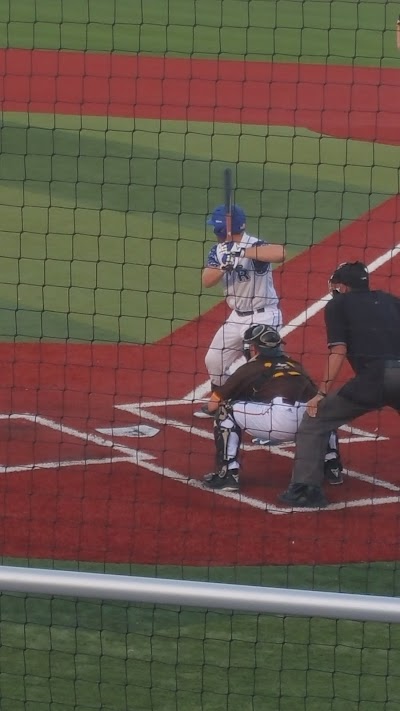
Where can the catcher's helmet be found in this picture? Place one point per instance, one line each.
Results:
(352, 274)
(265, 337)
(218, 221)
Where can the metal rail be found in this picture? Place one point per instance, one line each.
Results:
(246, 598)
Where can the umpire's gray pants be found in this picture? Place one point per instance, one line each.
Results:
(313, 435)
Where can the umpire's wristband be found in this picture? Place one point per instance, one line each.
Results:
(321, 393)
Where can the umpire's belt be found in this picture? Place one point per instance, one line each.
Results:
(249, 313)
(392, 363)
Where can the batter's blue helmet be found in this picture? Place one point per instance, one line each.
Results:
(218, 221)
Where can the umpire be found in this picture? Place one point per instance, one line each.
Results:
(363, 326)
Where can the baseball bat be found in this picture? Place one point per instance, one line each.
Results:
(228, 202)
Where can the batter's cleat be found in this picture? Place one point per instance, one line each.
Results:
(333, 472)
(203, 412)
(304, 497)
(228, 480)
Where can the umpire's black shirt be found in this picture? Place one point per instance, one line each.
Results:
(368, 324)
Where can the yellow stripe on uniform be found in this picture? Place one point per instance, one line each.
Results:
(281, 373)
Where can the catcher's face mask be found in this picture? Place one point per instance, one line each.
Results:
(261, 338)
(248, 351)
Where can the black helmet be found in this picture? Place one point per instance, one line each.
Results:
(265, 337)
(352, 274)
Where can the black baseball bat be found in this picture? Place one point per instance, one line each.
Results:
(228, 189)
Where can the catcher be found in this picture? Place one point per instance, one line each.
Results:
(267, 397)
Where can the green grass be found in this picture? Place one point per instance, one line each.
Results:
(333, 31)
(103, 220)
(103, 238)
(103, 235)
(76, 655)
(66, 654)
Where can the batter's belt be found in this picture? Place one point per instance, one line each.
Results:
(250, 313)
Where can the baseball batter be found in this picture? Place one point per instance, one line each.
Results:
(243, 265)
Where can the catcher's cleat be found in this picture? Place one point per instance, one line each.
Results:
(303, 496)
(228, 480)
(204, 412)
(333, 472)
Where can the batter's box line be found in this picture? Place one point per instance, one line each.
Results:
(134, 456)
(141, 410)
(355, 433)
(38, 466)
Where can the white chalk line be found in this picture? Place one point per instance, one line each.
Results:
(281, 450)
(137, 407)
(201, 390)
(37, 466)
(142, 410)
(141, 457)
(133, 456)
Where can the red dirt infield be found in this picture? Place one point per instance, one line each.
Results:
(69, 492)
(347, 102)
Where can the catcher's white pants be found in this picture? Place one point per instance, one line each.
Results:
(227, 345)
(275, 421)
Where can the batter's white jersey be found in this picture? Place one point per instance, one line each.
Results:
(250, 286)
(250, 293)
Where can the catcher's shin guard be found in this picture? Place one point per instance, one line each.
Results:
(227, 437)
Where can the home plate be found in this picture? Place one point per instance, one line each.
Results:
(131, 431)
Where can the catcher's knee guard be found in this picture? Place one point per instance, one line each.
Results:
(227, 436)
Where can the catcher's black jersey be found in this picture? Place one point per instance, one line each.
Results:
(262, 379)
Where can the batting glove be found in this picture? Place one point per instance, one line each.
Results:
(231, 255)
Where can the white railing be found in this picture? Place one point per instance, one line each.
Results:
(246, 598)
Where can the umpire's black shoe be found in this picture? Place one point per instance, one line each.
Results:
(303, 496)
(228, 481)
(333, 471)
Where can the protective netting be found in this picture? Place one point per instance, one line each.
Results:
(118, 120)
